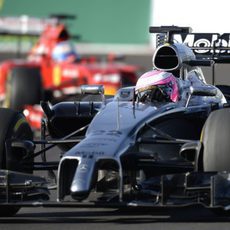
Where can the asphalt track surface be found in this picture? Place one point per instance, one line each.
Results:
(87, 219)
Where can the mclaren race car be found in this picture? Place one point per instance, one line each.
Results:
(161, 143)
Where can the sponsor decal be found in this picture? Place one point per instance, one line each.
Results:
(83, 167)
(70, 73)
(212, 43)
(112, 77)
(90, 153)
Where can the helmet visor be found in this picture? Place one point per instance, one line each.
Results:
(159, 93)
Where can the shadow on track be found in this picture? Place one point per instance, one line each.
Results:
(128, 216)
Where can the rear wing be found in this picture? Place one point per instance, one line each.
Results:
(207, 45)
(30, 26)
(212, 46)
(24, 25)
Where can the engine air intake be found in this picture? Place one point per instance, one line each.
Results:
(166, 58)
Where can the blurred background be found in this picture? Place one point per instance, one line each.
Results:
(103, 26)
(119, 27)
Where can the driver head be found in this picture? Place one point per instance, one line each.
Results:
(157, 86)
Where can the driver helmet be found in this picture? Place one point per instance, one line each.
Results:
(157, 86)
(65, 51)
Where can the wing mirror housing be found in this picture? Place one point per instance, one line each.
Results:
(92, 89)
(208, 91)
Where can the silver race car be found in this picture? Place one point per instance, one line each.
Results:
(161, 143)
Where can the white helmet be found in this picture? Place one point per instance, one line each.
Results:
(64, 51)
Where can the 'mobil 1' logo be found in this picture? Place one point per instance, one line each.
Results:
(205, 40)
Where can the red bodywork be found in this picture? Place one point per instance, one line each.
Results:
(64, 78)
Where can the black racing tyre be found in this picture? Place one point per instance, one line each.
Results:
(13, 125)
(216, 141)
(23, 87)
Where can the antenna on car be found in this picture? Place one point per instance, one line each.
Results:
(118, 115)
(134, 102)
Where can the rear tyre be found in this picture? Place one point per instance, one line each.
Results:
(216, 145)
(13, 125)
(24, 87)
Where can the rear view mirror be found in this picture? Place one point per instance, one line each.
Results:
(203, 91)
(92, 89)
(207, 90)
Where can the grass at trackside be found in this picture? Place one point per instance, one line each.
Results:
(9, 43)
(16, 38)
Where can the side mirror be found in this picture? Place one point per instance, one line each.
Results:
(92, 89)
(209, 91)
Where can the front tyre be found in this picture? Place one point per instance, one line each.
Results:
(216, 141)
(216, 145)
(13, 125)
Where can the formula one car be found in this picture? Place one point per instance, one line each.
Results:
(161, 143)
(53, 69)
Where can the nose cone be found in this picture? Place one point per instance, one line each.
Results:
(78, 194)
(80, 189)
(83, 179)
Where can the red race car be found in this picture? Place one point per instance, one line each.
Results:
(53, 70)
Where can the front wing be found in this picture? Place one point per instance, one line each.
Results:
(211, 190)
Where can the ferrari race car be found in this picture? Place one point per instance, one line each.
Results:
(161, 143)
(53, 70)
